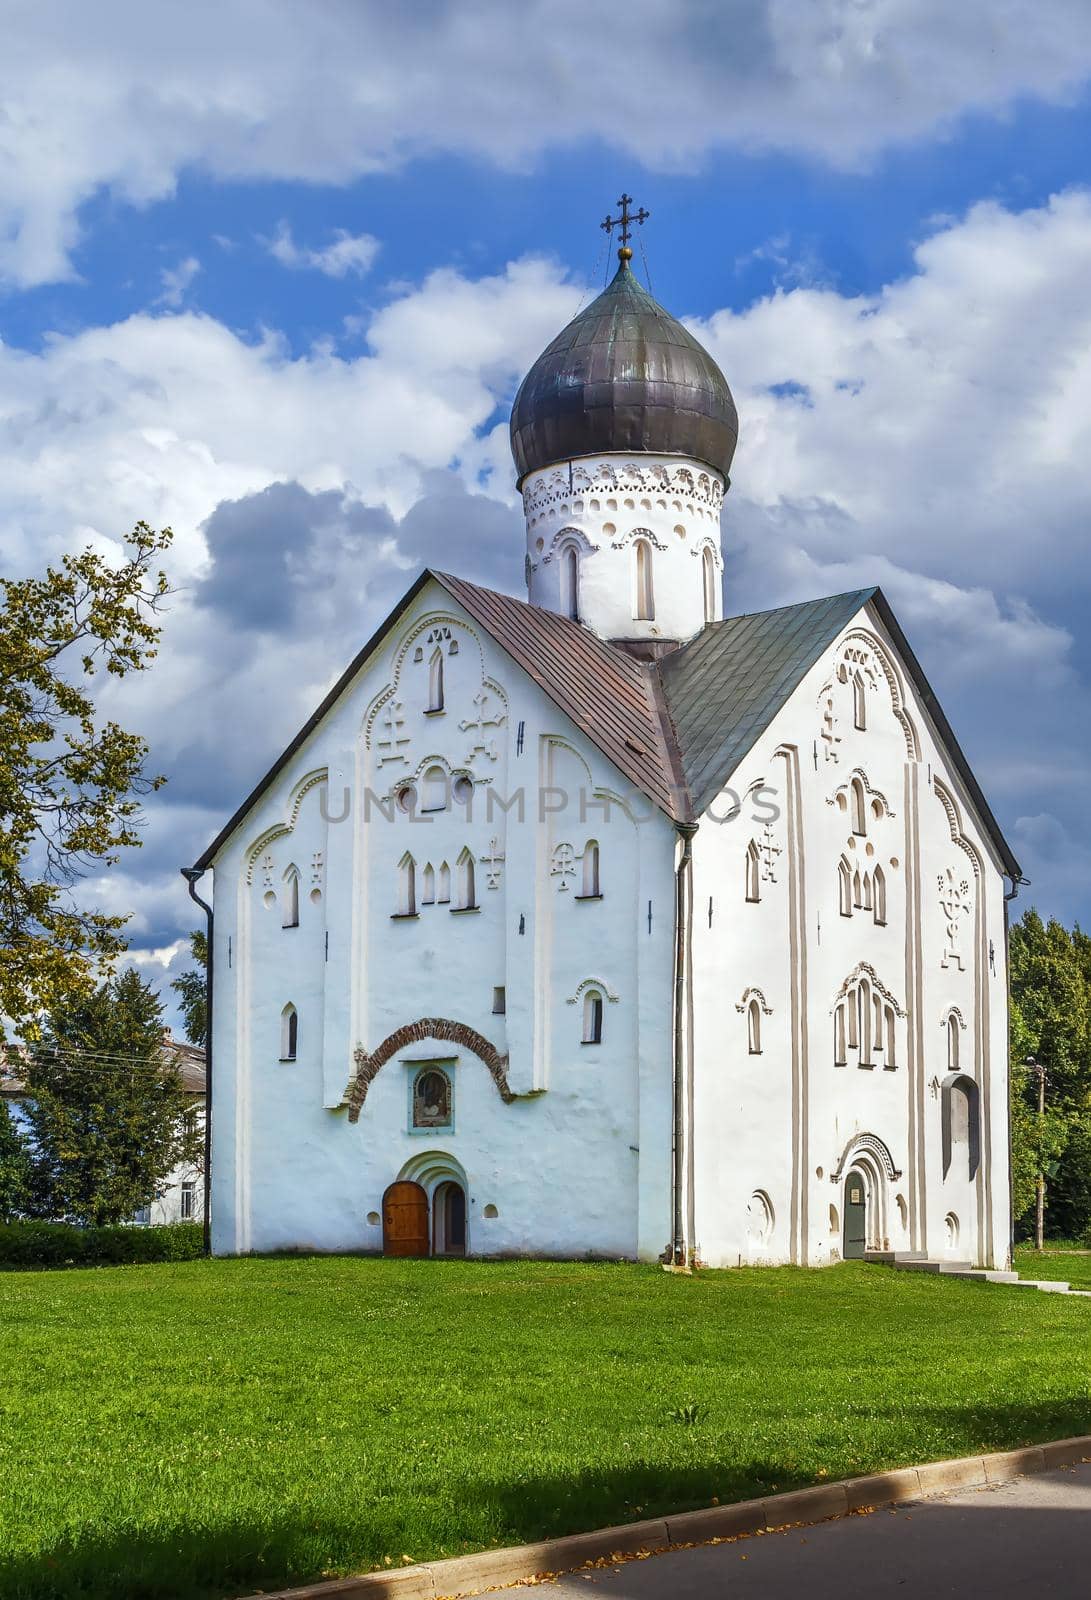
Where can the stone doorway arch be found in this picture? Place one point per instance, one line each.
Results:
(443, 1179)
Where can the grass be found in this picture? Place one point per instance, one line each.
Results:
(1072, 1265)
(212, 1428)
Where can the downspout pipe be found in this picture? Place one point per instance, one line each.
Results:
(193, 876)
(683, 929)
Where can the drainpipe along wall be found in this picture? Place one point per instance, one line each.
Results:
(683, 1217)
(193, 876)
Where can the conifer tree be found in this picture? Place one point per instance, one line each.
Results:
(191, 988)
(14, 1168)
(106, 1107)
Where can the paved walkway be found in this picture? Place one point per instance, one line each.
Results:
(1029, 1537)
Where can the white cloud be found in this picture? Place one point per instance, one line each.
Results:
(126, 97)
(176, 280)
(349, 253)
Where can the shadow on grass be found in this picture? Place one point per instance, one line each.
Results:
(206, 1558)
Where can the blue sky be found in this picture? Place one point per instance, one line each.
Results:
(271, 274)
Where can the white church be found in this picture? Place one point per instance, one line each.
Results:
(601, 923)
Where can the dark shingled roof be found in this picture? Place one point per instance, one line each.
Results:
(676, 729)
(626, 376)
(725, 686)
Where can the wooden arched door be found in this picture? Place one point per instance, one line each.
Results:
(405, 1220)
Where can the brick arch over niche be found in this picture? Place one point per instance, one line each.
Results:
(368, 1063)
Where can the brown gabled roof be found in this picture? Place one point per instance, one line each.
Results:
(676, 728)
(604, 690)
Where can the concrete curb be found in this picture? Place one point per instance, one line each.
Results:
(496, 1569)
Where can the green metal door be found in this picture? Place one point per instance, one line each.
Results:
(855, 1218)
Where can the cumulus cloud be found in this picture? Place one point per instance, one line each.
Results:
(126, 97)
(932, 438)
(348, 252)
(176, 280)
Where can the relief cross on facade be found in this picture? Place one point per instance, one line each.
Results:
(484, 746)
(954, 901)
(493, 864)
(391, 739)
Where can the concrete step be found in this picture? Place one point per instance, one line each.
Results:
(1047, 1285)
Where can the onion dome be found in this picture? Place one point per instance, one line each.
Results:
(623, 378)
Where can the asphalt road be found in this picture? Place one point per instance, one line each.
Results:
(1030, 1537)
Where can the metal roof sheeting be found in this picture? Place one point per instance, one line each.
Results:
(677, 728)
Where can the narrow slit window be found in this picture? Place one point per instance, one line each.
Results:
(890, 1056)
(592, 1017)
(880, 897)
(499, 1000)
(428, 885)
(443, 888)
(844, 877)
(435, 680)
(644, 610)
(859, 704)
(840, 1058)
(952, 1044)
(467, 884)
(290, 918)
(289, 1033)
(708, 583)
(753, 872)
(570, 582)
(407, 887)
(859, 808)
(753, 1017)
(591, 885)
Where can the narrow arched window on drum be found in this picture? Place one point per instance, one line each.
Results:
(432, 1099)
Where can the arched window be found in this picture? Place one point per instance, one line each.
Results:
(857, 889)
(428, 886)
(407, 886)
(467, 890)
(844, 879)
(867, 891)
(753, 1026)
(952, 1043)
(859, 807)
(434, 790)
(435, 680)
(708, 583)
(864, 993)
(644, 609)
(840, 1056)
(289, 1033)
(961, 1114)
(432, 1099)
(859, 705)
(891, 1060)
(753, 872)
(880, 896)
(443, 890)
(592, 1017)
(591, 886)
(570, 582)
(290, 918)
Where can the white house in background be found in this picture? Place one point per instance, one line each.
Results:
(606, 924)
(182, 1197)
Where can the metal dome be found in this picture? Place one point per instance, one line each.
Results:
(623, 378)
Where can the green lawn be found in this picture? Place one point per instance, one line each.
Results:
(1072, 1266)
(209, 1428)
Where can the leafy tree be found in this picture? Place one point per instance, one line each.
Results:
(14, 1168)
(1051, 1023)
(106, 1106)
(192, 990)
(69, 781)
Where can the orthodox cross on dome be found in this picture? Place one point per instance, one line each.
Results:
(623, 222)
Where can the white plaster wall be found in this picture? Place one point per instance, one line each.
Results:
(579, 1162)
(788, 1121)
(599, 506)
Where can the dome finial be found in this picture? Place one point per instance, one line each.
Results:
(622, 222)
